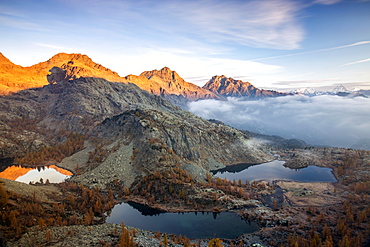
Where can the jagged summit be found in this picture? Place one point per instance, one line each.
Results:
(78, 65)
(165, 74)
(229, 87)
(169, 82)
(340, 89)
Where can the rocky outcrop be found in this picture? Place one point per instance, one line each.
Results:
(161, 140)
(229, 87)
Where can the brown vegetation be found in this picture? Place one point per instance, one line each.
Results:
(78, 206)
(56, 153)
(176, 190)
(337, 225)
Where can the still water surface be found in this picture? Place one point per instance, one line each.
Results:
(26, 175)
(209, 225)
(193, 225)
(275, 170)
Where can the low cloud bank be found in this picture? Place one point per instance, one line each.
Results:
(321, 120)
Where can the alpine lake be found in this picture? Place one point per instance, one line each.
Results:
(215, 225)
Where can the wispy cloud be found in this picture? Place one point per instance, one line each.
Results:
(12, 21)
(56, 47)
(270, 23)
(327, 2)
(315, 51)
(357, 62)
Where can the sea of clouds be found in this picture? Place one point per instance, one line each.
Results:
(320, 120)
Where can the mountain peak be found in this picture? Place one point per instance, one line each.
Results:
(229, 87)
(167, 82)
(340, 89)
(62, 57)
(165, 74)
(74, 65)
(78, 65)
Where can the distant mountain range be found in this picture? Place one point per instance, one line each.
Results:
(339, 90)
(165, 82)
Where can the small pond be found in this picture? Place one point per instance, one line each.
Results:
(26, 174)
(275, 170)
(193, 225)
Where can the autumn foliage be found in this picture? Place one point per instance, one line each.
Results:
(79, 205)
(56, 153)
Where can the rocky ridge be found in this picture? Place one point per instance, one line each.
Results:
(14, 77)
(164, 82)
(156, 132)
(64, 67)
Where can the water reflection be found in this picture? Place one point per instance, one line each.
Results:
(26, 174)
(193, 225)
(275, 170)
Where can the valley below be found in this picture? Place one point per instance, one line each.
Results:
(284, 211)
(120, 142)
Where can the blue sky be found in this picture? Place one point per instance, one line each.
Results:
(274, 44)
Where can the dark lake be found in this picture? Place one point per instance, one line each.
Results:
(275, 170)
(210, 225)
(193, 225)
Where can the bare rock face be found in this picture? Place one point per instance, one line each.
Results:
(160, 140)
(229, 87)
